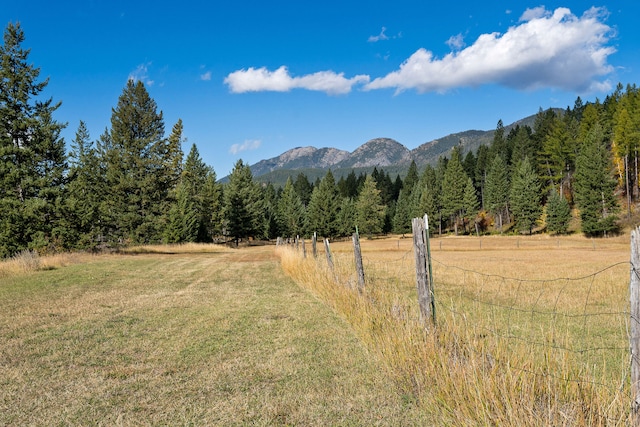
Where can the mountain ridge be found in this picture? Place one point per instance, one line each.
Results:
(380, 152)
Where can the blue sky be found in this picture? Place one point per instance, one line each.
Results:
(252, 79)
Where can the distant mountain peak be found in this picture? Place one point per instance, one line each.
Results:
(379, 152)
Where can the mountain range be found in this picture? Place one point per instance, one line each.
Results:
(385, 153)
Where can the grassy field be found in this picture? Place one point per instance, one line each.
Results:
(191, 335)
(531, 330)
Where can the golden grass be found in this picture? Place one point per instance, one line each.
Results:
(531, 330)
(164, 337)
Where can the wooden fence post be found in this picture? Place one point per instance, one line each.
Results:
(304, 250)
(422, 274)
(634, 325)
(314, 242)
(327, 250)
(358, 256)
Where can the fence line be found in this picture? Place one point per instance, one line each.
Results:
(527, 314)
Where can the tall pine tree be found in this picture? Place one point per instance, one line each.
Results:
(323, 208)
(370, 209)
(497, 191)
(32, 154)
(291, 212)
(455, 180)
(525, 196)
(595, 185)
(243, 205)
(138, 171)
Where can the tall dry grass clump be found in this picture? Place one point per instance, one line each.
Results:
(461, 371)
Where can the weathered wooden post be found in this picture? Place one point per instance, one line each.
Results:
(304, 250)
(314, 242)
(634, 325)
(358, 257)
(327, 250)
(422, 273)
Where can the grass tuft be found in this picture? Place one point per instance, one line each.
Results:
(27, 260)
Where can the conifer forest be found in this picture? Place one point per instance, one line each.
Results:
(574, 171)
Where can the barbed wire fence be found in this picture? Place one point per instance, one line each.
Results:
(566, 329)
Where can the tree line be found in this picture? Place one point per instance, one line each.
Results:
(134, 184)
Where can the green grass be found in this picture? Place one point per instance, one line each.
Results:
(218, 338)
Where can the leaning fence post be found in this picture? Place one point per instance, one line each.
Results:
(634, 325)
(358, 256)
(422, 274)
(327, 250)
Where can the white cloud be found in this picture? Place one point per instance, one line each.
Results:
(456, 42)
(206, 76)
(381, 36)
(545, 50)
(535, 13)
(248, 145)
(141, 73)
(261, 79)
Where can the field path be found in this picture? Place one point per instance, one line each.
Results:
(219, 338)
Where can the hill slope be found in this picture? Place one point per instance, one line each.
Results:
(384, 153)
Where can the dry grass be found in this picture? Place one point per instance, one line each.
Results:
(171, 336)
(531, 330)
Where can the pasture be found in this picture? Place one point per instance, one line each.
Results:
(530, 331)
(190, 335)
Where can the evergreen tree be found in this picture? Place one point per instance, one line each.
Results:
(32, 154)
(523, 145)
(184, 218)
(542, 128)
(455, 180)
(271, 226)
(397, 186)
(626, 142)
(470, 202)
(482, 167)
(346, 222)
(500, 145)
(594, 186)
(323, 208)
(497, 191)
(557, 158)
(525, 196)
(412, 177)
(370, 209)
(402, 216)
(304, 188)
(428, 195)
(469, 165)
(199, 182)
(558, 213)
(137, 172)
(86, 190)
(291, 211)
(243, 209)
(405, 205)
(590, 118)
(213, 207)
(440, 169)
(172, 156)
